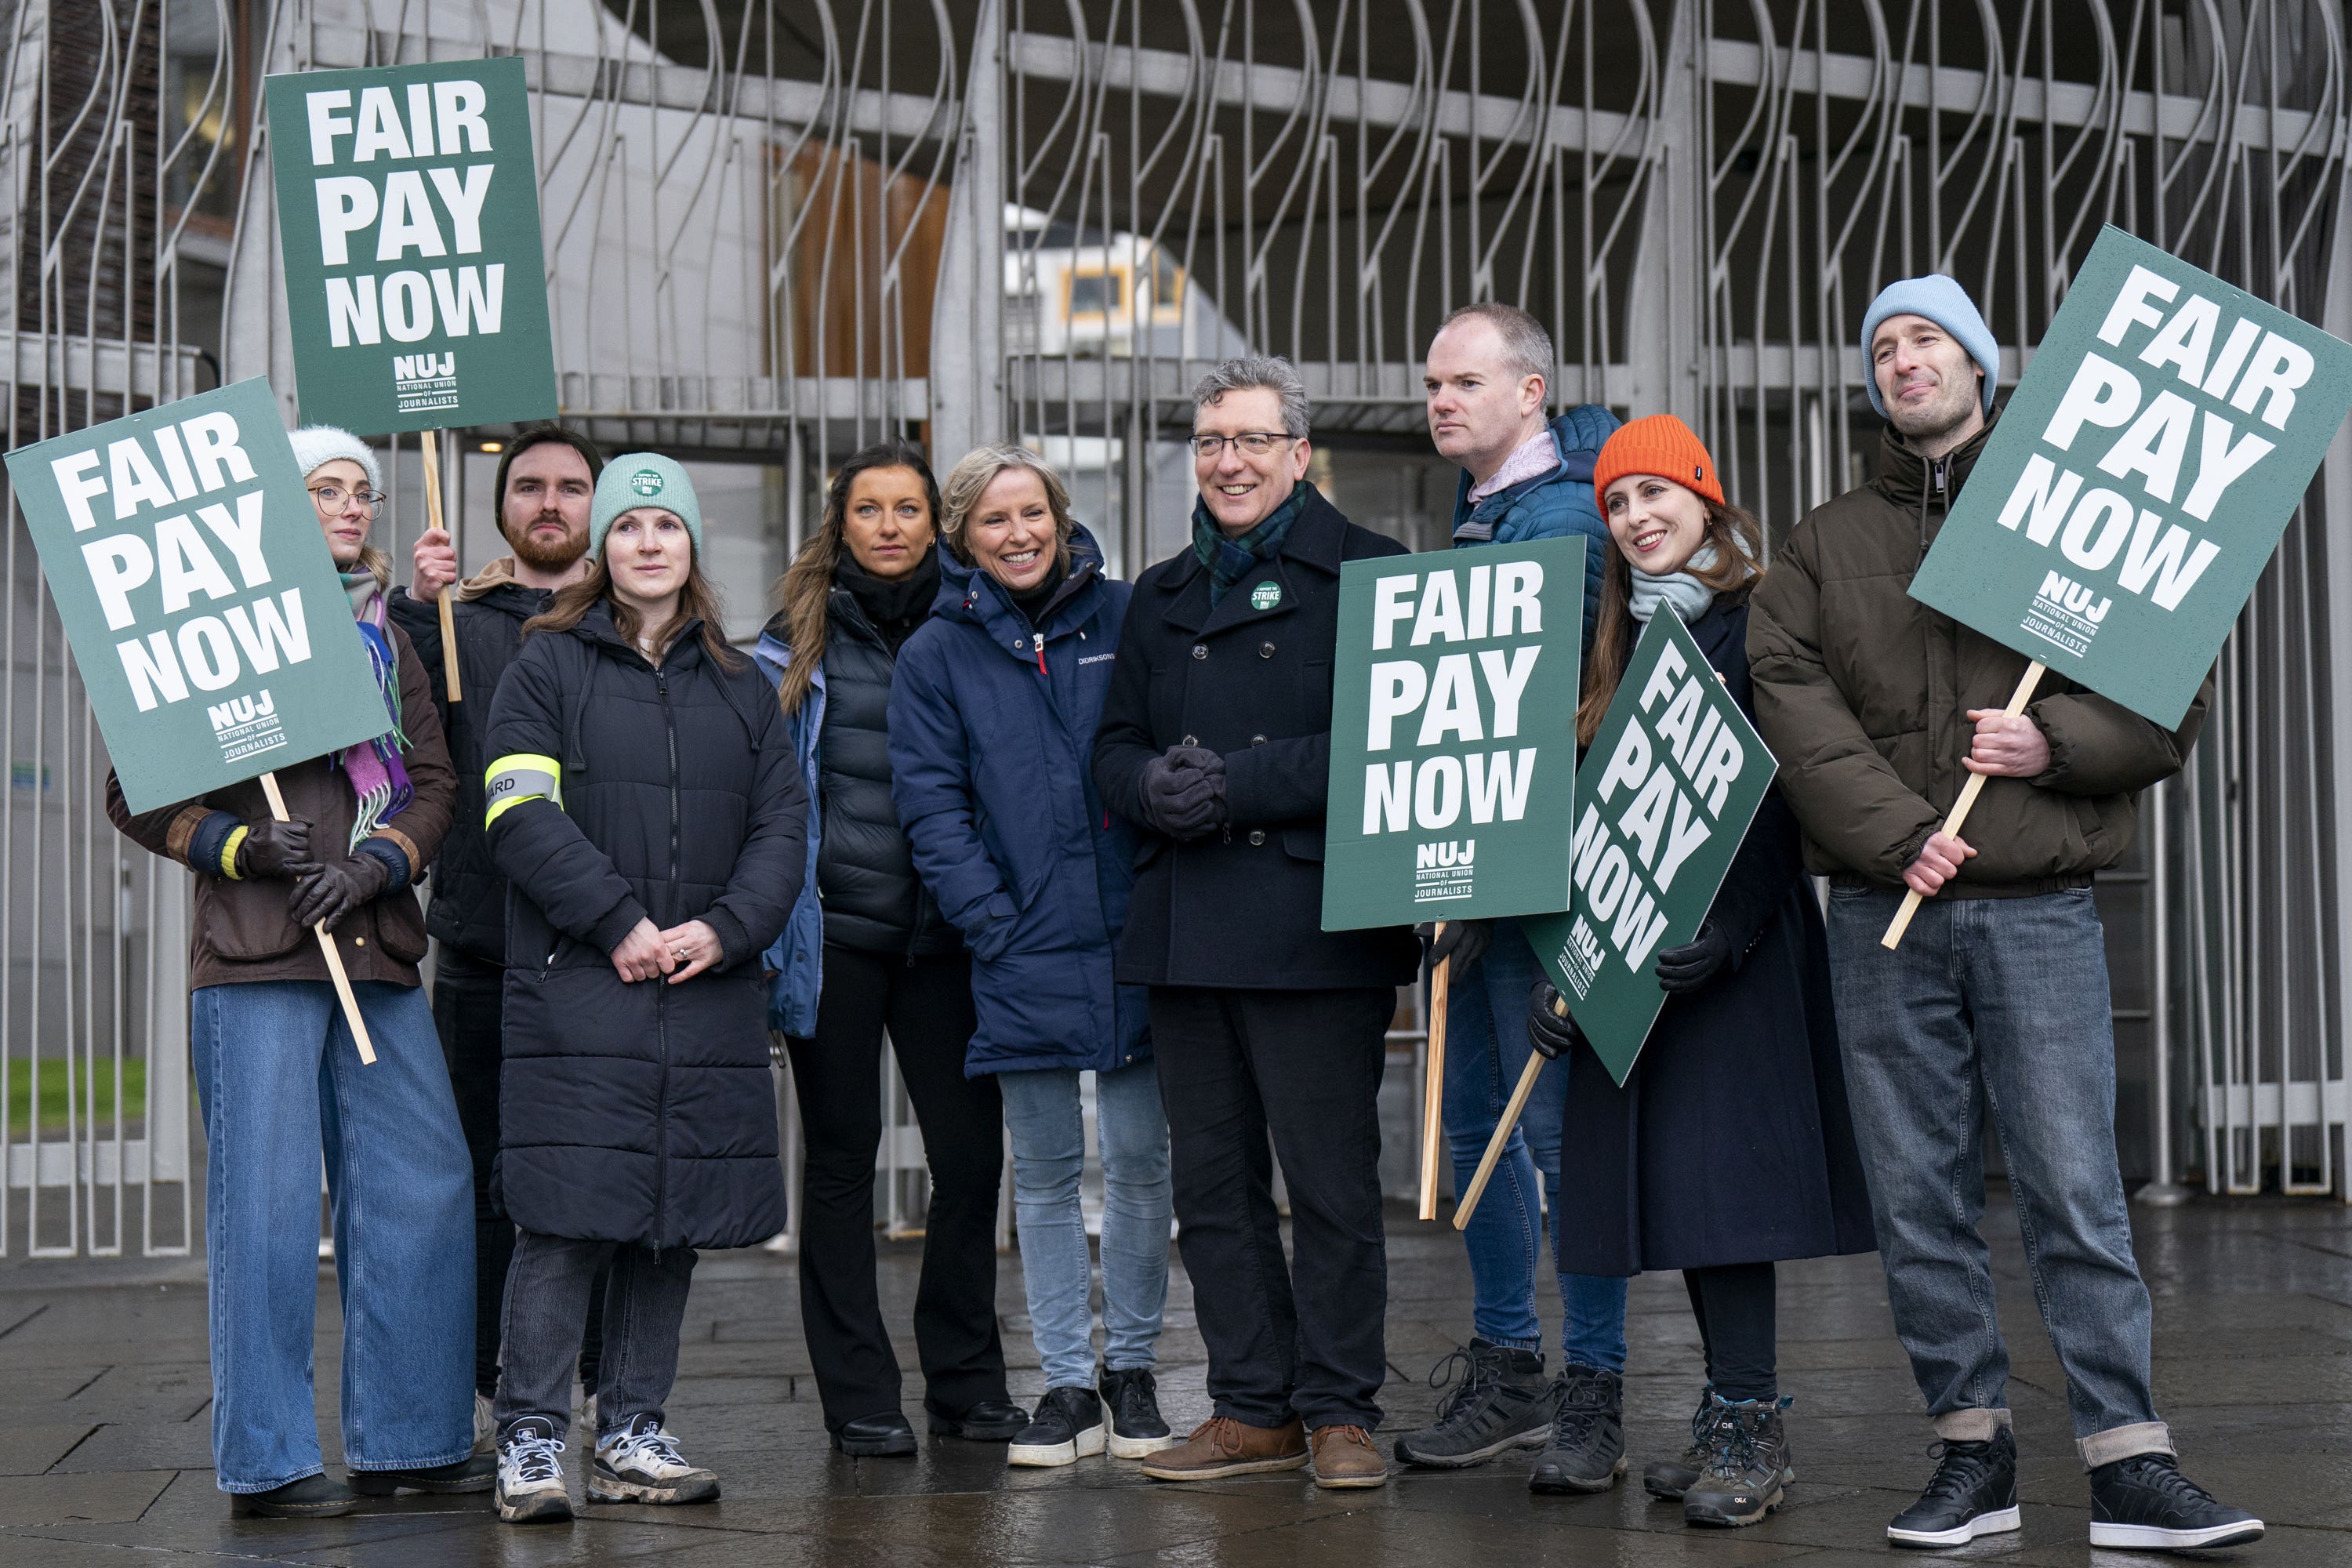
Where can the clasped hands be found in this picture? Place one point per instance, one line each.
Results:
(324, 890)
(1183, 793)
(681, 952)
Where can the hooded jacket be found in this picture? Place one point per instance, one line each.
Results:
(622, 791)
(1555, 505)
(991, 729)
(1862, 693)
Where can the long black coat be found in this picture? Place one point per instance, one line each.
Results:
(1243, 907)
(640, 1112)
(1731, 1142)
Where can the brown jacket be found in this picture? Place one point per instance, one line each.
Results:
(241, 932)
(1862, 693)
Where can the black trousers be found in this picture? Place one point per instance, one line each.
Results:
(1738, 1326)
(926, 1005)
(1303, 1067)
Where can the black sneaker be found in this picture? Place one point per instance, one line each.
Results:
(1588, 1434)
(312, 1497)
(1132, 1399)
(2145, 1501)
(1496, 1399)
(990, 1421)
(1669, 1478)
(474, 1473)
(1067, 1428)
(1973, 1493)
(1748, 1464)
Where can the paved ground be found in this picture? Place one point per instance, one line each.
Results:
(104, 1457)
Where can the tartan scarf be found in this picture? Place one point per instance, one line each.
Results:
(1228, 559)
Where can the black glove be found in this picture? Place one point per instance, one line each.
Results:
(1550, 1033)
(1183, 793)
(334, 890)
(1464, 942)
(1698, 961)
(275, 848)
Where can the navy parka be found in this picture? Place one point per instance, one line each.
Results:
(991, 729)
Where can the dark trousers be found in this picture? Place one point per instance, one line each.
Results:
(1738, 1325)
(1303, 1067)
(548, 1288)
(926, 1005)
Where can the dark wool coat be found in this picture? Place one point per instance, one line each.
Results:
(468, 908)
(1731, 1142)
(1250, 680)
(641, 1112)
(991, 729)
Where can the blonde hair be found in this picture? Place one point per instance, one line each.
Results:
(976, 470)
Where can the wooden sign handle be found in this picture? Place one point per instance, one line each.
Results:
(1433, 1115)
(327, 943)
(1968, 793)
(1527, 1076)
(433, 517)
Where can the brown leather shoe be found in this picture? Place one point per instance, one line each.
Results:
(1344, 1457)
(1222, 1447)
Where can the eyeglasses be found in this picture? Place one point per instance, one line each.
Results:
(1256, 443)
(331, 500)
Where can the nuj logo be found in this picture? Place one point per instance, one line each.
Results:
(241, 710)
(424, 367)
(1453, 852)
(2063, 593)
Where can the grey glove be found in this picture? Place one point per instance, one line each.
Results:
(1464, 942)
(1183, 793)
(1549, 1032)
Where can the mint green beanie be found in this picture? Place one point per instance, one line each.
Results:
(642, 479)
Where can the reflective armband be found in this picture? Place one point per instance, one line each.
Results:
(525, 776)
(229, 847)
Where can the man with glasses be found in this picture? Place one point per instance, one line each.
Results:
(546, 477)
(1217, 739)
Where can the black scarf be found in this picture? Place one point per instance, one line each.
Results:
(894, 607)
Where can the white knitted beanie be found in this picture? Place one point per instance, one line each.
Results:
(317, 443)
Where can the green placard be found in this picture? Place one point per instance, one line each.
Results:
(1673, 779)
(2140, 477)
(408, 219)
(206, 618)
(1454, 734)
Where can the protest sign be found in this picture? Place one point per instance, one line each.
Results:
(1666, 792)
(1454, 734)
(2140, 477)
(408, 222)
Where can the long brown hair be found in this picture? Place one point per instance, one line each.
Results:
(697, 600)
(1738, 541)
(807, 584)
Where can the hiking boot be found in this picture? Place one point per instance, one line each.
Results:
(312, 1497)
(640, 1463)
(885, 1435)
(1498, 1399)
(1748, 1464)
(1973, 1493)
(1132, 1399)
(2145, 1501)
(1587, 1451)
(1068, 1426)
(474, 1473)
(530, 1473)
(1344, 1457)
(990, 1421)
(1669, 1478)
(1222, 1447)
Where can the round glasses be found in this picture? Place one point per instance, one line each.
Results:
(331, 500)
(1256, 443)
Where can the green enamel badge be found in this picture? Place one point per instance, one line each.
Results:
(1266, 596)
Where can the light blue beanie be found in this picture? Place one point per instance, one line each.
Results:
(1943, 302)
(642, 479)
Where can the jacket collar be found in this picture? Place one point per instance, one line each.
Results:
(1313, 548)
(1904, 476)
(1577, 436)
(596, 629)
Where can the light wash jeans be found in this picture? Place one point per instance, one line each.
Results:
(1486, 1050)
(1996, 1005)
(1049, 1150)
(282, 1084)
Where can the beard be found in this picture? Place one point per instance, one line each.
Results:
(1945, 414)
(548, 555)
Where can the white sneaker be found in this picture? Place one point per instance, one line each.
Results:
(486, 1425)
(530, 1474)
(640, 1463)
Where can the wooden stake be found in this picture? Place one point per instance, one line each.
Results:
(1433, 1115)
(1968, 793)
(1527, 1076)
(432, 445)
(327, 942)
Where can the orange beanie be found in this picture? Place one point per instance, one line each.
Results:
(1660, 445)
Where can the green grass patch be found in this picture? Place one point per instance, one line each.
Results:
(52, 1087)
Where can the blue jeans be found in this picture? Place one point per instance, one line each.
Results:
(1049, 1150)
(282, 1084)
(1486, 1050)
(1996, 1005)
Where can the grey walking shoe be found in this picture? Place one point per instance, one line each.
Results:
(1669, 1478)
(1747, 1466)
(530, 1474)
(1587, 1434)
(1498, 1399)
(640, 1463)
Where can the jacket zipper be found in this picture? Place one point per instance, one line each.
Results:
(1936, 476)
(661, 995)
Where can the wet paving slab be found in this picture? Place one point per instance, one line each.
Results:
(105, 1407)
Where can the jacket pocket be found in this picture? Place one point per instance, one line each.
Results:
(1303, 844)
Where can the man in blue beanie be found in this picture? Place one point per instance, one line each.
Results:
(1878, 710)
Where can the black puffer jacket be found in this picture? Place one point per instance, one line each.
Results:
(639, 1112)
(468, 907)
(874, 901)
